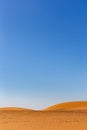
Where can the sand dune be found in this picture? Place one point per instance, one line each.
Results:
(69, 106)
(50, 119)
(14, 109)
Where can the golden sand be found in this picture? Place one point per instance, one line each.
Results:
(23, 119)
(68, 106)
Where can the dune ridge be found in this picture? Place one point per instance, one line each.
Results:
(67, 106)
(14, 109)
(74, 105)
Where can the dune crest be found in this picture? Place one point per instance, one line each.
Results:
(68, 106)
(14, 109)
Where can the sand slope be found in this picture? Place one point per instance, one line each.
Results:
(14, 109)
(69, 106)
(23, 119)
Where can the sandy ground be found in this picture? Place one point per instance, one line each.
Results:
(46, 120)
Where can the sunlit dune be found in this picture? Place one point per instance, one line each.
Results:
(68, 106)
(14, 109)
(50, 119)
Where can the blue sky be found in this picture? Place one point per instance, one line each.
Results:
(43, 52)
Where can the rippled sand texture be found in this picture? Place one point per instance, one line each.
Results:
(42, 120)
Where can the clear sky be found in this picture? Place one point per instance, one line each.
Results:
(43, 52)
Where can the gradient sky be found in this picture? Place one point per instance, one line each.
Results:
(43, 52)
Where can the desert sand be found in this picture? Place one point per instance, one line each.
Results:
(65, 116)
